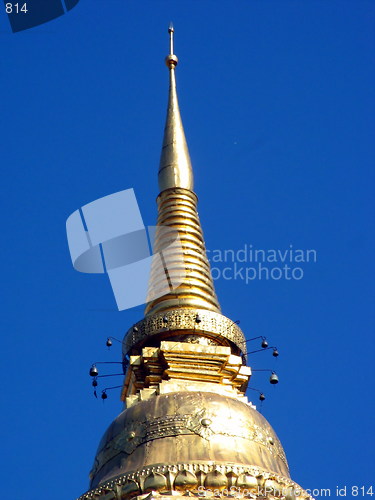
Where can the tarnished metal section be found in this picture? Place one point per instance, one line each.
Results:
(177, 209)
(188, 427)
(176, 321)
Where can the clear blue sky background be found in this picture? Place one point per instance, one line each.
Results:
(278, 106)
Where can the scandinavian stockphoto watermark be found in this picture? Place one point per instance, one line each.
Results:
(295, 492)
(250, 263)
(108, 236)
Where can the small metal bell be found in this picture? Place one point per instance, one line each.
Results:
(135, 329)
(165, 319)
(104, 395)
(198, 319)
(264, 343)
(94, 371)
(109, 342)
(262, 397)
(274, 379)
(275, 353)
(95, 383)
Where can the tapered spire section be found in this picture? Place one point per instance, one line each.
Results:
(177, 209)
(175, 166)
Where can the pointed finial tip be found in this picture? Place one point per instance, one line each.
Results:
(171, 60)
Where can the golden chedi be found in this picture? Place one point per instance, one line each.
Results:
(187, 428)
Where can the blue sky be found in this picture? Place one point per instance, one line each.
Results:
(277, 101)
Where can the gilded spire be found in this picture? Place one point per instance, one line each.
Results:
(188, 424)
(177, 208)
(175, 166)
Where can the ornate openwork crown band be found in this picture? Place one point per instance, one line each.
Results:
(177, 321)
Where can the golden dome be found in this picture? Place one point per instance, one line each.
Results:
(187, 430)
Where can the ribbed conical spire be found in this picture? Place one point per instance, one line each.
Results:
(175, 166)
(177, 208)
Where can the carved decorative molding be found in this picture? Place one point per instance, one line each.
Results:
(203, 422)
(211, 324)
(192, 477)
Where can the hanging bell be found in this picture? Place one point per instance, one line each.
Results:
(109, 342)
(275, 353)
(95, 383)
(165, 319)
(262, 397)
(264, 343)
(104, 395)
(94, 371)
(274, 379)
(135, 329)
(198, 319)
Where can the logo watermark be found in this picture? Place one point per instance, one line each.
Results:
(107, 236)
